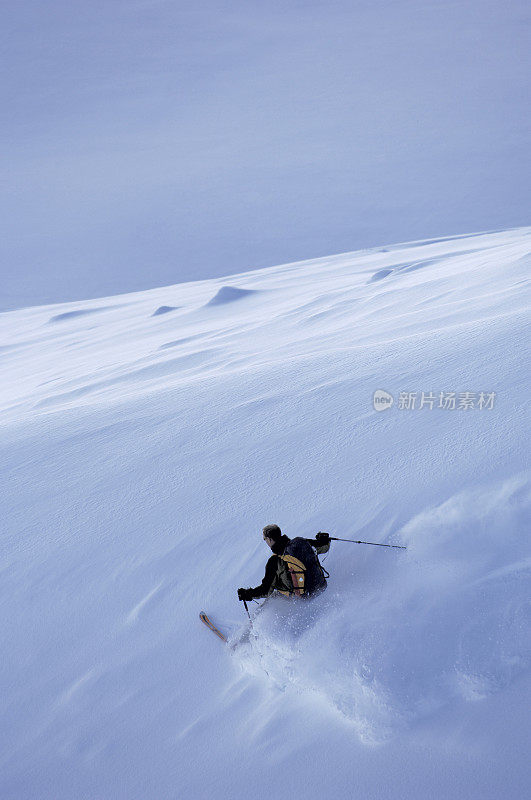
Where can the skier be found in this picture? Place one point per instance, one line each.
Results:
(294, 568)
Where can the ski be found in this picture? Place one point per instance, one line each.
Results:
(203, 617)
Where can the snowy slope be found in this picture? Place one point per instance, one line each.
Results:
(147, 438)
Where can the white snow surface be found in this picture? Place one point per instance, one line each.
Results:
(147, 438)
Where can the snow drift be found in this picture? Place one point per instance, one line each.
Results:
(142, 453)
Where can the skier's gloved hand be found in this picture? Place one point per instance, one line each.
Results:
(322, 538)
(245, 594)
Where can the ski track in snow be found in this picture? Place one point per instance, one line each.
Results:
(146, 440)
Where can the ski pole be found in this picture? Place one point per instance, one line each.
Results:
(245, 604)
(376, 544)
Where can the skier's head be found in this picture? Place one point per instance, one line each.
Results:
(272, 534)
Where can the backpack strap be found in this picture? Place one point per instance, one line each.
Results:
(297, 572)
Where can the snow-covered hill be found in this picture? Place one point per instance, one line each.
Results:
(147, 438)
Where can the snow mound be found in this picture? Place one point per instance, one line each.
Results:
(229, 294)
(164, 310)
(80, 312)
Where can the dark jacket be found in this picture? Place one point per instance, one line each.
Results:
(277, 576)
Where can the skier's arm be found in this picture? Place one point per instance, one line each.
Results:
(270, 574)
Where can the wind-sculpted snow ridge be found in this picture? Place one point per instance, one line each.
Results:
(447, 621)
(141, 457)
(164, 310)
(81, 312)
(229, 294)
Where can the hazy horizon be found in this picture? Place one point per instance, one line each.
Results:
(152, 142)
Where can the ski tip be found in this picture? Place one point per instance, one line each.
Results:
(208, 622)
